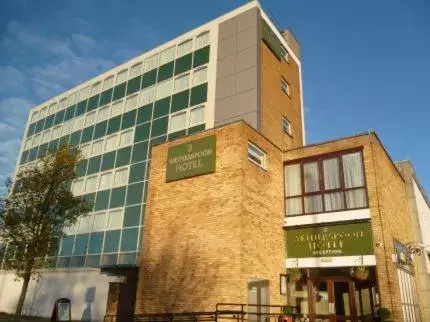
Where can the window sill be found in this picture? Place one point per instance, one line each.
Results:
(327, 217)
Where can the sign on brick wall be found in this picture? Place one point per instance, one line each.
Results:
(330, 240)
(191, 159)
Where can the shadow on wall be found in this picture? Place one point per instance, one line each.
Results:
(90, 296)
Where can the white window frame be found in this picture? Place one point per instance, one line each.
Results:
(286, 121)
(175, 114)
(257, 153)
(285, 87)
(284, 53)
(189, 116)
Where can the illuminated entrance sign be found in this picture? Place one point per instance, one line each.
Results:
(330, 241)
(191, 159)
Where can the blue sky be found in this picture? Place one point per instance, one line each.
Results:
(366, 64)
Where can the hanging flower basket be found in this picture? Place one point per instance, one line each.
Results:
(294, 275)
(360, 273)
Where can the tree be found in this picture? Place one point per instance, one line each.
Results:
(33, 216)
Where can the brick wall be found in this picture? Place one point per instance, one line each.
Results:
(207, 236)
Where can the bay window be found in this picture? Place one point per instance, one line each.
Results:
(328, 183)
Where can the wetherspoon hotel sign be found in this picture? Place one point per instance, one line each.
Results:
(191, 159)
(329, 241)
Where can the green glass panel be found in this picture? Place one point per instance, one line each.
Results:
(149, 78)
(123, 157)
(75, 138)
(165, 71)
(96, 243)
(145, 191)
(59, 117)
(127, 259)
(137, 172)
(119, 91)
(77, 261)
(199, 94)
(70, 113)
(114, 125)
(81, 108)
(140, 152)
(109, 260)
(176, 135)
(87, 134)
(144, 114)
(111, 241)
(133, 85)
(24, 157)
(108, 161)
(129, 239)
(81, 243)
(183, 64)
(102, 200)
(197, 128)
(49, 121)
(180, 101)
(81, 168)
(64, 140)
(270, 38)
(67, 245)
(162, 107)
(90, 199)
(53, 145)
(117, 197)
(43, 149)
(142, 132)
(159, 127)
(93, 102)
(134, 193)
(63, 262)
(94, 164)
(93, 261)
(201, 57)
(39, 126)
(106, 97)
(31, 129)
(132, 216)
(33, 154)
(100, 130)
(128, 119)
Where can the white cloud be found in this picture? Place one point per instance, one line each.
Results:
(11, 78)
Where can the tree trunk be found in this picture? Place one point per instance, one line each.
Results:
(22, 297)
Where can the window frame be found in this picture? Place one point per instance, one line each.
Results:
(285, 54)
(289, 132)
(285, 89)
(263, 164)
(323, 191)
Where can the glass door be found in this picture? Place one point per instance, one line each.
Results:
(341, 307)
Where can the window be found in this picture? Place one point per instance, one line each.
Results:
(126, 138)
(178, 122)
(197, 115)
(100, 221)
(256, 155)
(408, 296)
(84, 93)
(108, 82)
(56, 132)
(90, 119)
(86, 150)
(78, 123)
(97, 147)
(202, 40)
(147, 96)
(96, 88)
(46, 137)
(285, 87)
(324, 184)
(121, 77)
(91, 185)
(117, 108)
(85, 224)
(185, 47)
(111, 142)
(43, 112)
(135, 70)
(284, 53)
(164, 89)
(62, 104)
(181, 82)
(167, 55)
(105, 180)
(72, 100)
(131, 103)
(200, 75)
(286, 126)
(103, 113)
(115, 218)
(53, 108)
(151, 63)
(67, 127)
(121, 177)
(78, 187)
